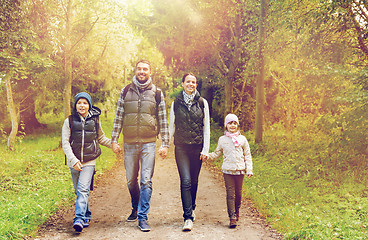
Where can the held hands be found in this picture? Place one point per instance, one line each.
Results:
(163, 152)
(78, 166)
(249, 175)
(203, 157)
(116, 148)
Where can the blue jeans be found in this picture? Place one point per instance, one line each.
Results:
(82, 182)
(189, 165)
(134, 155)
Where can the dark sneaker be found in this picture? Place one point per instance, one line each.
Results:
(78, 226)
(232, 223)
(143, 225)
(86, 223)
(133, 216)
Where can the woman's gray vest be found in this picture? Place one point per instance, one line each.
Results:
(83, 138)
(140, 115)
(188, 124)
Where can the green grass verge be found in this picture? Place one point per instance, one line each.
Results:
(35, 183)
(303, 191)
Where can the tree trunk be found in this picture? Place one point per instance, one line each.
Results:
(260, 80)
(12, 112)
(68, 71)
(28, 116)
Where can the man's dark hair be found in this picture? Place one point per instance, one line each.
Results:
(144, 61)
(187, 74)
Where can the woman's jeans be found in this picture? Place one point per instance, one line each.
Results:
(82, 182)
(189, 165)
(234, 185)
(134, 155)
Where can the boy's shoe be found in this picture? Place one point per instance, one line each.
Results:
(143, 225)
(193, 216)
(188, 225)
(86, 223)
(78, 226)
(133, 216)
(232, 223)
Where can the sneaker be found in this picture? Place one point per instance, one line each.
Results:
(188, 225)
(232, 223)
(143, 225)
(133, 216)
(86, 223)
(193, 216)
(78, 226)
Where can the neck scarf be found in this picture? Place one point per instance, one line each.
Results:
(142, 86)
(234, 137)
(188, 99)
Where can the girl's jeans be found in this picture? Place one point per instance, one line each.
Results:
(233, 184)
(82, 182)
(134, 155)
(189, 165)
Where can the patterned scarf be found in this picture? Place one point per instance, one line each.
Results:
(234, 137)
(142, 86)
(188, 99)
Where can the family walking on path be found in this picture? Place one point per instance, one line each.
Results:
(141, 116)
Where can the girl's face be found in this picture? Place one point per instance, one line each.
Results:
(82, 107)
(189, 84)
(232, 127)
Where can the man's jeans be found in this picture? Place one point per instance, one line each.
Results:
(134, 155)
(189, 165)
(82, 182)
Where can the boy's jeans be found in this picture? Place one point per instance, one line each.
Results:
(134, 155)
(82, 182)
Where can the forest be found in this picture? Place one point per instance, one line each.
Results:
(294, 71)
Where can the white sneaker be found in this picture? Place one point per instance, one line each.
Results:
(188, 225)
(193, 216)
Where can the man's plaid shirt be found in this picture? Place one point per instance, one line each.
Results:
(118, 122)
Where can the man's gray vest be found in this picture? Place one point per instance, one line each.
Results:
(140, 115)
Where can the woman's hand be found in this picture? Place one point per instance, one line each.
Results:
(203, 157)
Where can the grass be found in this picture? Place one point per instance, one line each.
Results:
(35, 183)
(304, 190)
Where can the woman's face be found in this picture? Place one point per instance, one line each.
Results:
(82, 107)
(189, 84)
(232, 127)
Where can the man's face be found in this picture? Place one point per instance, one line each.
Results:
(142, 72)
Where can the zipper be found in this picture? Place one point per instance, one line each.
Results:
(83, 124)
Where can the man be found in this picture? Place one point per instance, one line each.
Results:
(141, 116)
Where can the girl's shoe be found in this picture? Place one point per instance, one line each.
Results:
(232, 223)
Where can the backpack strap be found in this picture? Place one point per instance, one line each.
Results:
(126, 89)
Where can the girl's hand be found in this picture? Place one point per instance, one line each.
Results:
(249, 175)
(78, 166)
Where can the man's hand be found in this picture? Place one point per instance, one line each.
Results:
(116, 148)
(163, 152)
(78, 166)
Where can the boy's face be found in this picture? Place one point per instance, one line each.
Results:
(82, 107)
(232, 127)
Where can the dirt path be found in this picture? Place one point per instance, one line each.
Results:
(110, 206)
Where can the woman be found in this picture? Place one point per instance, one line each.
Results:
(190, 126)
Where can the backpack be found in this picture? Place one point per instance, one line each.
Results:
(157, 98)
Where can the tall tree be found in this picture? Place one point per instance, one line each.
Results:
(261, 74)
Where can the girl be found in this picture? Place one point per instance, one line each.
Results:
(190, 126)
(237, 162)
(81, 135)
